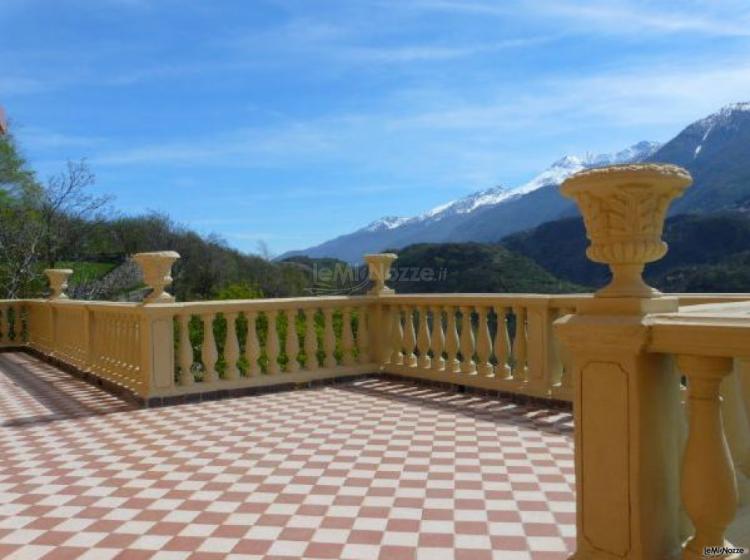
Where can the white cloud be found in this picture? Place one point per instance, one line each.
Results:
(247, 147)
(415, 53)
(41, 139)
(615, 17)
(19, 85)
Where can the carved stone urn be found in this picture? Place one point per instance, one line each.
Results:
(624, 207)
(58, 281)
(379, 266)
(157, 274)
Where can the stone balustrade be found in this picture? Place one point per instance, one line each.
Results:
(645, 371)
(490, 341)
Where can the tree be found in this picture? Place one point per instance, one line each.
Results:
(68, 211)
(20, 229)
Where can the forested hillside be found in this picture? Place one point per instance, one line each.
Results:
(59, 223)
(472, 268)
(707, 253)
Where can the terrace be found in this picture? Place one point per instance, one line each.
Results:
(385, 425)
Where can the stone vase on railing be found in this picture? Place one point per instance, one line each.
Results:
(157, 274)
(58, 281)
(379, 267)
(624, 208)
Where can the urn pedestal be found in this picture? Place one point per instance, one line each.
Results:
(624, 208)
(157, 274)
(379, 267)
(58, 281)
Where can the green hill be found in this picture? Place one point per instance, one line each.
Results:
(707, 253)
(471, 268)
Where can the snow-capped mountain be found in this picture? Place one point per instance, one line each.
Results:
(714, 149)
(723, 118)
(383, 224)
(555, 174)
(442, 223)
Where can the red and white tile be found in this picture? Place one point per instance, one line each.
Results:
(373, 469)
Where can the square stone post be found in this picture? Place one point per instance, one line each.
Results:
(379, 269)
(157, 349)
(626, 402)
(157, 324)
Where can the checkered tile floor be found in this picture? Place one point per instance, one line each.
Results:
(374, 469)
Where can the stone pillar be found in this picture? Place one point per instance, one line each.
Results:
(58, 281)
(626, 402)
(157, 274)
(379, 268)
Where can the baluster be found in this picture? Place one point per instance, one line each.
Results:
(451, 342)
(311, 340)
(231, 347)
(562, 378)
(18, 323)
(135, 348)
(423, 340)
(125, 346)
(137, 345)
(186, 352)
(117, 340)
(437, 340)
(105, 358)
(363, 337)
(209, 355)
(397, 336)
(23, 314)
(519, 345)
(709, 486)
(252, 346)
(272, 343)
(116, 345)
(502, 344)
(410, 338)
(484, 344)
(292, 342)
(467, 342)
(12, 327)
(329, 339)
(347, 338)
(5, 325)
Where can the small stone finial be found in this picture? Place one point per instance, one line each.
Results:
(624, 208)
(58, 281)
(379, 267)
(157, 273)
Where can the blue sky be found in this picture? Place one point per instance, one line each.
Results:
(293, 121)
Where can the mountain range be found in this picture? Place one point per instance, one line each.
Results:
(716, 150)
